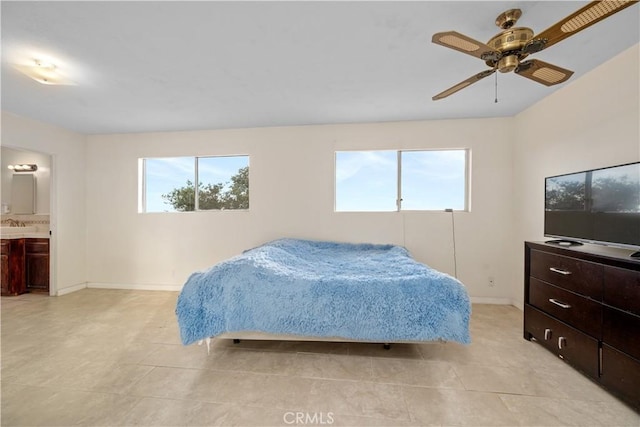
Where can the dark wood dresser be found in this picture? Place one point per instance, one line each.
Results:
(583, 304)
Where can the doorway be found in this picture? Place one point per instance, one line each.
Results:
(30, 214)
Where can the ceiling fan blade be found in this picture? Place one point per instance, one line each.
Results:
(543, 72)
(471, 80)
(581, 19)
(464, 44)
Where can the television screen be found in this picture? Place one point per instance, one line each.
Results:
(600, 206)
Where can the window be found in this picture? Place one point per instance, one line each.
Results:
(366, 180)
(378, 181)
(434, 180)
(168, 184)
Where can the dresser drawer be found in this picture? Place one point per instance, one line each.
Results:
(36, 246)
(621, 374)
(575, 347)
(622, 289)
(621, 330)
(582, 277)
(566, 306)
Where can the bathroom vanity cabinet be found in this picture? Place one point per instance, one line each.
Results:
(13, 277)
(25, 265)
(37, 265)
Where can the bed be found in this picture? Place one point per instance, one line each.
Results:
(315, 290)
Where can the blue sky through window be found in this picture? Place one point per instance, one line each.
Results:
(162, 176)
(433, 180)
(366, 181)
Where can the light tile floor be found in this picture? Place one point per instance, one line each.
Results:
(113, 357)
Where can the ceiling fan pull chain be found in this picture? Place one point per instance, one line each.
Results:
(496, 101)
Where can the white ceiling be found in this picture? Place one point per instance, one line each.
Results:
(170, 66)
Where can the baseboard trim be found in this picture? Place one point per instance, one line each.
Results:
(491, 300)
(135, 287)
(70, 289)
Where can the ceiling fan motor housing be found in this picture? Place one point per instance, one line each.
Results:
(510, 44)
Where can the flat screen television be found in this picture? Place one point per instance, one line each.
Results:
(595, 206)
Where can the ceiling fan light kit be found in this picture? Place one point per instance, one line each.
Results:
(507, 50)
(43, 72)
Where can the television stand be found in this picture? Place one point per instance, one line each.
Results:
(563, 242)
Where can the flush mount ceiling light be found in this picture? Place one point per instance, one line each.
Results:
(43, 72)
(23, 168)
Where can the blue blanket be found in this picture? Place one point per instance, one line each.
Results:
(325, 289)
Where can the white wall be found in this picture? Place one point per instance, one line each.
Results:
(292, 179)
(11, 157)
(592, 122)
(68, 218)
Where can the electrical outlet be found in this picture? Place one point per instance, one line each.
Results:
(492, 282)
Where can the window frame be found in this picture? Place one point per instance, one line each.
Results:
(467, 180)
(142, 183)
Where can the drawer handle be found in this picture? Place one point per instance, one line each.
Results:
(547, 334)
(559, 271)
(559, 303)
(562, 342)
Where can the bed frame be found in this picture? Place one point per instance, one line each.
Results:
(263, 336)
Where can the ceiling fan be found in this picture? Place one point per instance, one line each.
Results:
(507, 50)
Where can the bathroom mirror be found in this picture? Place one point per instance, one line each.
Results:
(23, 194)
